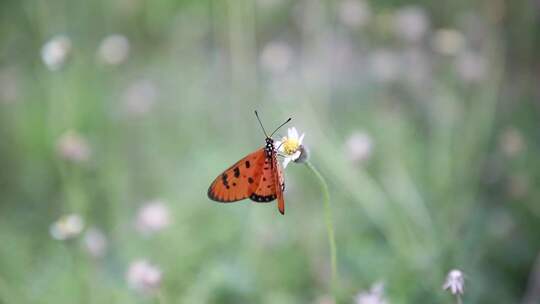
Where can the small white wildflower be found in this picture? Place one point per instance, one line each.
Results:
(448, 41)
(143, 276)
(291, 146)
(374, 296)
(67, 227)
(139, 97)
(153, 217)
(359, 147)
(114, 49)
(276, 57)
(73, 147)
(454, 282)
(411, 23)
(55, 52)
(95, 242)
(354, 13)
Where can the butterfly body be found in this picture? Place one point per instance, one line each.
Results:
(258, 176)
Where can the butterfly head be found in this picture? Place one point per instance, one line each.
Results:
(269, 147)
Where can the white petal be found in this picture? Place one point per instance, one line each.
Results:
(301, 138)
(293, 133)
(286, 161)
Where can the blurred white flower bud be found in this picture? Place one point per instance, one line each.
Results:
(114, 49)
(55, 52)
(354, 13)
(455, 282)
(374, 296)
(143, 276)
(73, 147)
(411, 23)
(448, 41)
(67, 227)
(152, 217)
(359, 147)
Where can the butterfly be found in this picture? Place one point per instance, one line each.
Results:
(258, 176)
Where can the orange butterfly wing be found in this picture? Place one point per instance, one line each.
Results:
(240, 180)
(257, 176)
(279, 184)
(271, 185)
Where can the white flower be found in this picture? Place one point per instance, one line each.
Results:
(95, 242)
(143, 276)
(67, 227)
(55, 52)
(73, 147)
(290, 146)
(153, 217)
(276, 57)
(114, 49)
(454, 282)
(354, 13)
(359, 147)
(448, 41)
(374, 296)
(411, 23)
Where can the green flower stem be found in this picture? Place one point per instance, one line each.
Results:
(329, 223)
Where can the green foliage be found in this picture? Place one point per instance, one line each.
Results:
(447, 181)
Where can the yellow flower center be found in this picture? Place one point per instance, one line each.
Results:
(290, 145)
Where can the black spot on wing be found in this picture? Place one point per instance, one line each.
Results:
(247, 164)
(262, 198)
(236, 172)
(224, 180)
(250, 180)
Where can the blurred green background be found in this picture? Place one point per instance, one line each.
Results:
(423, 116)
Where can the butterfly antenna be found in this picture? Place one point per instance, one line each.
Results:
(257, 114)
(280, 126)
